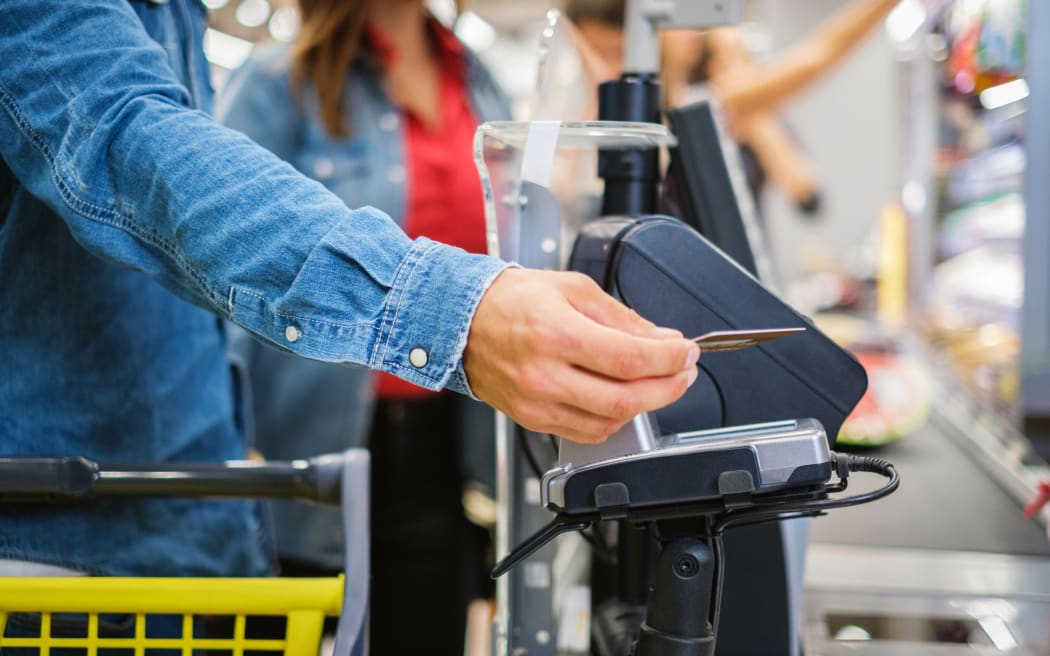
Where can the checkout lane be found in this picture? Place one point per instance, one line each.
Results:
(946, 565)
(946, 500)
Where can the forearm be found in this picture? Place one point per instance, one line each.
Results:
(763, 87)
(107, 140)
(844, 29)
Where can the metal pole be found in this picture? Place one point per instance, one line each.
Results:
(641, 52)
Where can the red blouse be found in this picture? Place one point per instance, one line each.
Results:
(444, 199)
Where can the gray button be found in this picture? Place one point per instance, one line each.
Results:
(324, 168)
(418, 357)
(396, 174)
(291, 333)
(389, 122)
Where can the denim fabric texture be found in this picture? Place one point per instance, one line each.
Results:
(129, 219)
(302, 407)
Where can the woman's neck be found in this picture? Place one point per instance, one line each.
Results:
(412, 80)
(404, 24)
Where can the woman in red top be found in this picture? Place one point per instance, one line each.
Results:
(379, 102)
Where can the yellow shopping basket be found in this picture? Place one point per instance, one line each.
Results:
(75, 616)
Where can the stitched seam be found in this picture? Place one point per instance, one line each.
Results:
(394, 366)
(95, 212)
(393, 305)
(401, 289)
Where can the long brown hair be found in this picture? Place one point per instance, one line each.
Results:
(330, 35)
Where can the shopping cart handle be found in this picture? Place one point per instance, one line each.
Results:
(47, 479)
(328, 472)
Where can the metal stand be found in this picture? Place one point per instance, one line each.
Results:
(674, 597)
(632, 177)
(679, 621)
(632, 183)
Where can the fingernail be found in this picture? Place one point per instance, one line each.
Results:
(660, 331)
(692, 356)
(691, 375)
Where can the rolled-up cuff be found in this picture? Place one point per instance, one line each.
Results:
(424, 328)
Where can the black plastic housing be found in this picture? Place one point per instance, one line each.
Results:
(673, 276)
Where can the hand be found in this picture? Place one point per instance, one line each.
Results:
(558, 355)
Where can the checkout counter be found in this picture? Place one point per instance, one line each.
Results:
(945, 565)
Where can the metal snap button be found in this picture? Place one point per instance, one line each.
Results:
(418, 357)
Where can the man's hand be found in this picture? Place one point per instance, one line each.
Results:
(558, 355)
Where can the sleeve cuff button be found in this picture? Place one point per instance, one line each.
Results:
(418, 357)
(292, 334)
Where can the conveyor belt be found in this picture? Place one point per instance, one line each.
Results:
(945, 501)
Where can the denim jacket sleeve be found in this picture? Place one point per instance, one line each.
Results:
(95, 124)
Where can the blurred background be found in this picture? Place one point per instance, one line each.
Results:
(926, 118)
(864, 90)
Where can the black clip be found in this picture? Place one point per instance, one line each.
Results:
(736, 487)
(612, 500)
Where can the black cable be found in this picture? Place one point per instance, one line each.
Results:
(783, 510)
(852, 463)
(720, 575)
(855, 463)
(719, 557)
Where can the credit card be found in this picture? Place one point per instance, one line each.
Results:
(719, 341)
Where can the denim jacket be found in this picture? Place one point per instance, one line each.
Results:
(129, 219)
(328, 408)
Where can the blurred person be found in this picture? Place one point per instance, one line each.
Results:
(130, 222)
(749, 92)
(768, 151)
(379, 102)
(599, 34)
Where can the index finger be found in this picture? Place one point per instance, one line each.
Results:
(623, 356)
(606, 310)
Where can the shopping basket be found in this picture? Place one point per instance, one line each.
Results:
(73, 616)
